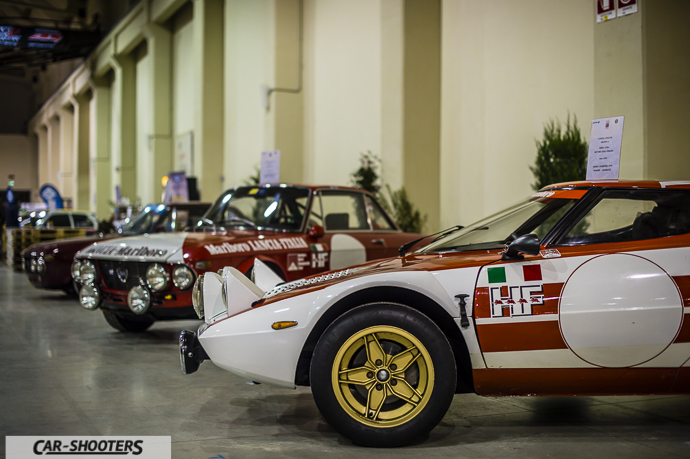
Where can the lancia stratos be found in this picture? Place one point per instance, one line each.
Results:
(581, 289)
(295, 230)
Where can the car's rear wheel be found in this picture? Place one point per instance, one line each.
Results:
(128, 324)
(383, 375)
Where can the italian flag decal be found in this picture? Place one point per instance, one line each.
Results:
(530, 273)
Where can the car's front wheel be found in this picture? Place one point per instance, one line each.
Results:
(126, 324)
(383, 375)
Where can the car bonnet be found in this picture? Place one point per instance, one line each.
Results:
(154, 247)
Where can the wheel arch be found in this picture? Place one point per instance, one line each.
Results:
(400, 295)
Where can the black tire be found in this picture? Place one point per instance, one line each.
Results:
(134, 324)
(401, 333)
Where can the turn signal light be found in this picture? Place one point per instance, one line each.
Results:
(281, 325)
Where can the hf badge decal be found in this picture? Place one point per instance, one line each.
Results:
(517, 300)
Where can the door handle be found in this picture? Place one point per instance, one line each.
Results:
(378, 242)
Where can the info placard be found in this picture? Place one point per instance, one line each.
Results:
(270, 167)
(603, 161)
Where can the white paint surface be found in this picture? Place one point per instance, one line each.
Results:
(619, 310)
(346, 251)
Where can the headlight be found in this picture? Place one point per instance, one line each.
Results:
(157, 277)
(183, 277)
(89, 297)
(198, 297)
(76, 266)
(138, 300)
(33, 264)
(88, 273)
(40, 265)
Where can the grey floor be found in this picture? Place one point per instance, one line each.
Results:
(64, 371)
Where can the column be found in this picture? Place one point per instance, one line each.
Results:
(81, 130)
(100, 176)
(67, 177)
(124, 126)
(160, 142)
(208, 65)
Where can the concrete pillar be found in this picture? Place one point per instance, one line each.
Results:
(67, 179)
(124, 124)
(160, 144)
(100, 176)
(642, 71)
(422, 107)
(81, 130)
(54, 152)
(42, 137)
(392, 59)
(286, 110)
(208, 65)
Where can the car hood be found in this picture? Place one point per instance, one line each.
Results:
(66, 245)
(176, 247)
(152, 247)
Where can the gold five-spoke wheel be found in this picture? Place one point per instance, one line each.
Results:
(383, 376)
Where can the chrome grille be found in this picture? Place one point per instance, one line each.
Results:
(136, 273)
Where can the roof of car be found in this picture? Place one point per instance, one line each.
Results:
(311, 187)
(622, 184)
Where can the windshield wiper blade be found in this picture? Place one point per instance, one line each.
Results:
(405, 247)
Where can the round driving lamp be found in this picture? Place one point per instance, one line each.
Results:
(183, 277)
(198, 297)
(139, 300)
(157, 277)
(89, 297)
(33, 265)
(87, 272)
(76, 266)
(40, 265)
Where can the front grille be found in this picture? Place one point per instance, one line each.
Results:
(136, 273)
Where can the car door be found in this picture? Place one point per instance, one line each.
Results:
(602, 309)
(348, 239)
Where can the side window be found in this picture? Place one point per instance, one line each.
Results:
(379, 220)
(316, 214)
(59, 221)
(620, 216)
(82, 221)
(344, 211)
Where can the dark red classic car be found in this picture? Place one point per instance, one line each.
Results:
(48, 263)
(296, 231)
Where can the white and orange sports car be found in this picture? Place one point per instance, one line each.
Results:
(582, 289)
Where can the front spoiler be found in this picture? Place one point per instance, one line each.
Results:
(191, 352)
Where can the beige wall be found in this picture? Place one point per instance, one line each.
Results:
(667, 90)
(508, 67)
(451, 94)
(18, 156)
(247, 67)
(343, 83)
(182, 73)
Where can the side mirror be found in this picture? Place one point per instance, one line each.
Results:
(316, 232)
(527, 243)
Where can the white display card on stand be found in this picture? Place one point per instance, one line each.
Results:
(270, 167)
(603, 161)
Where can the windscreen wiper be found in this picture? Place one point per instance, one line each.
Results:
(405, 247)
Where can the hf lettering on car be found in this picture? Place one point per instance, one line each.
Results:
(581, 289)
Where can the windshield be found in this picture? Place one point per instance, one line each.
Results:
(280, 208)
(532, 216)
(145, 221)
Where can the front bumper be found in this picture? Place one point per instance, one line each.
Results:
(191, 352)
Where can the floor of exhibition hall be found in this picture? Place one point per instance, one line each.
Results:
(66, 372)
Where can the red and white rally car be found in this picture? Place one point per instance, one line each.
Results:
(581, 289)
(296, 231)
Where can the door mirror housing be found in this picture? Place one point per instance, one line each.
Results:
(527, 243)
(316, 232)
